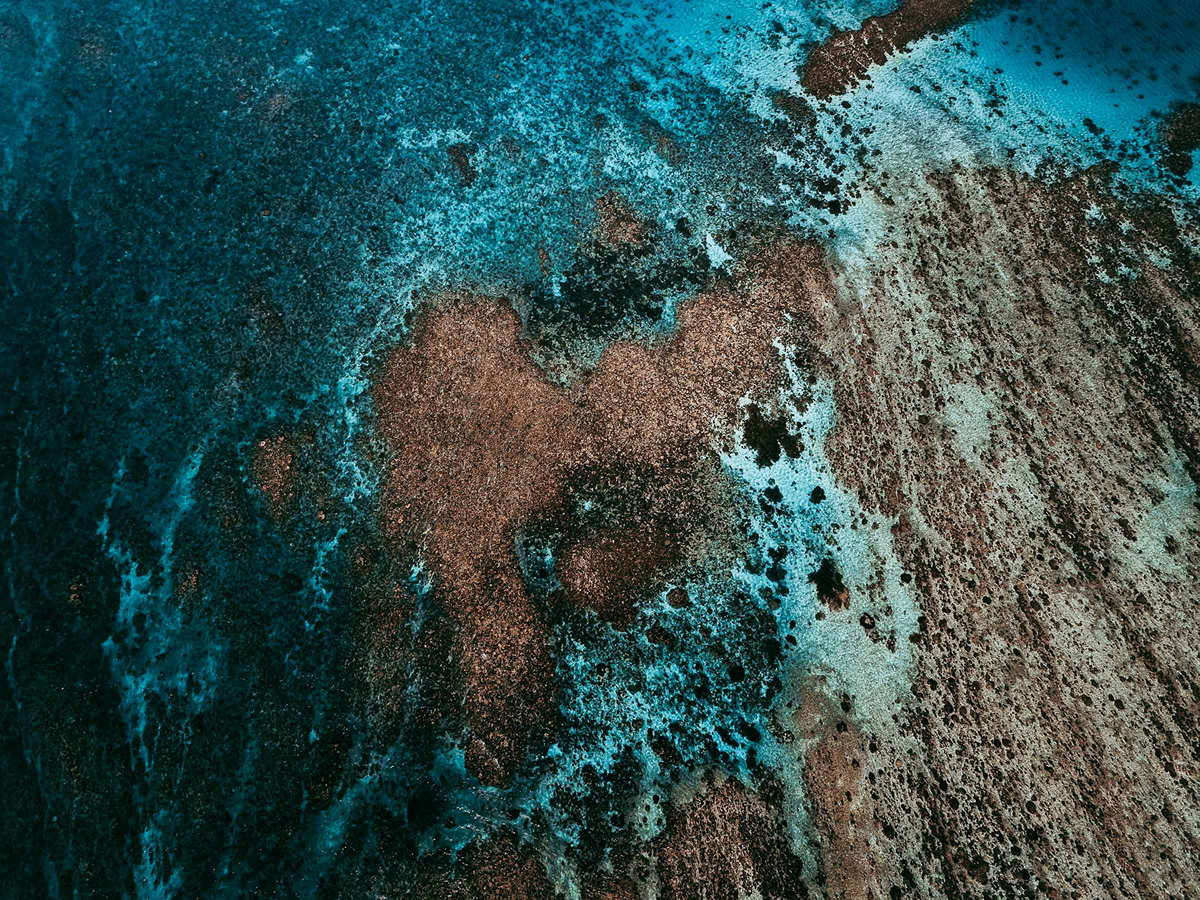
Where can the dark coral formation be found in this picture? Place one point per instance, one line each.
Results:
(1181, 136)
(841, 61)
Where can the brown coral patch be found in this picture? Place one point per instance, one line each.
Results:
(646, 401)
(188, 584)
(507, 671)
(618, 227)
(729, 842)
(479, 439)
(273, 465)
(844, 59)
(500, 868)
(503, 870)
(599, 886)
(481, 443)
(842, 811)
(678, 515)
(608, 571)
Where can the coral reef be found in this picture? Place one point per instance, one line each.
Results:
(651, 449)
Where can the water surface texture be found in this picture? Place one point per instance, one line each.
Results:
(600, 450)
